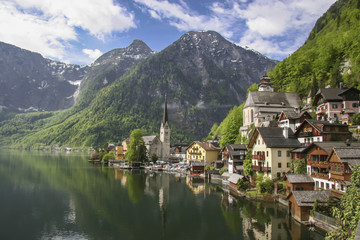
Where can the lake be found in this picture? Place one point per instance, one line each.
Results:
(47, 195)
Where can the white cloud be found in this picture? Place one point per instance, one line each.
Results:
(48, 26)
(183, 18)
(93, 54)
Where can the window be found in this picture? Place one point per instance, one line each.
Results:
(334, 106)
(335, 115)
(288, 153)
(288, 165)
(327, 186)
(322, 185)
(279, 153)
(279, 165)
(354, 105)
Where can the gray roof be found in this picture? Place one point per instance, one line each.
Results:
(331, 94)
(299, 178)
(307, 198)
(281, 99)
(319, 126)
(273, 137)
(328, 146)
(236, 149)
(234, 178)
(350, 155)
(149, 139)
(226, 175)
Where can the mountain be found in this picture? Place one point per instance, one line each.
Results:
(329, 56)
(203, 75)
(110, 66)
(30, 82)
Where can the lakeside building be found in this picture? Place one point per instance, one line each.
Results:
(233, 156)
(271, 149)
(202, 152)
(336, 104)
(265, 104)
(341, 162)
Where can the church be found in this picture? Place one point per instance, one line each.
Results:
(161, 147)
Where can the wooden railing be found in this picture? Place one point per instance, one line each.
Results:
(320, 175)
(259, 157)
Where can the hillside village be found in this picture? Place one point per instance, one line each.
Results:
(284, 136)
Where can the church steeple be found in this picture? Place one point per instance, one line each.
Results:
(165, 116)
(165, 134)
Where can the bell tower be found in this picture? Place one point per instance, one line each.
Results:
(165, 134)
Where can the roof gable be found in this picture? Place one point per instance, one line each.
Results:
(299, 178)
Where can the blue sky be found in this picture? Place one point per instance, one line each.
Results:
(79, 31)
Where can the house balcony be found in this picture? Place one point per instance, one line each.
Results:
(320, 164)
(320, 175)
(305, 134)
(261, 169)
(321, 112)
(259, 157)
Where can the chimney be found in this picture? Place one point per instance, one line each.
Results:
(286, 132)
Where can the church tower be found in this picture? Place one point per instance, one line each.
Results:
(165, 134)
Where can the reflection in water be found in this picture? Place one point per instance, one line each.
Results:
(62, 196)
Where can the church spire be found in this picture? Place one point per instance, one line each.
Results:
(165, 116)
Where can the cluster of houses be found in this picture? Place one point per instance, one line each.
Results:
(284, 131)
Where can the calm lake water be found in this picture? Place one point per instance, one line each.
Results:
(47, 195)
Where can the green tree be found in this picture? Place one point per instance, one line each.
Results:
(154, 157)
(298, 166)
(243, 184)
(356, 119)
(348, 213)
(137, 149)
(248, 171)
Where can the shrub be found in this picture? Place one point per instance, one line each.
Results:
(107, 157)
(243, 185)
(222, 170)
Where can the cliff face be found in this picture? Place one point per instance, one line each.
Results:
(30, 82)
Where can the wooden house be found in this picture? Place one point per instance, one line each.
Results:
(271, 150)
(334, 104)
(321, 131)
(233, 156)
(301, 202)
(233, 180)
(341, 161)
(298, 182)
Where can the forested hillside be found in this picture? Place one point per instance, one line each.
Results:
(330, 55)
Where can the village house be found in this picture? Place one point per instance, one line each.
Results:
(271, 150)
(119, 153)
(318, 163)
(334, 104)
(341, 162)
(301, 202)
(321, 131)
(125, 144)
(178, 152)
(202, 152)
(233, 156)
(265, 104)
(292, 119)
(298, 182)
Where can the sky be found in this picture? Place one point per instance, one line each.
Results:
(79, 31)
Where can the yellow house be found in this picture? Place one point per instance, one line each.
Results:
(202, 151)
(271, 148)
(124, 145)
(119, 155)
